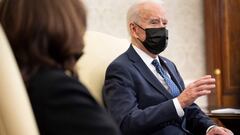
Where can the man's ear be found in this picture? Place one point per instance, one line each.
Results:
(133, 30)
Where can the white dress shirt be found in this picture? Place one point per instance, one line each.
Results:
(148, 61)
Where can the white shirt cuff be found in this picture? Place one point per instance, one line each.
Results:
(209, 128)
(178, 107)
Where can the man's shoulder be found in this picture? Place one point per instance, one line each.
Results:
(120, 64)
(165, 59)
(122, 58)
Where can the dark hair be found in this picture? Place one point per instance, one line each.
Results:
(44, 33)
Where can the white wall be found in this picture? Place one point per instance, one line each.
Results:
(186, 30)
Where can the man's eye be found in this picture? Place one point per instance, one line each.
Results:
(155, 22)
(164, 23)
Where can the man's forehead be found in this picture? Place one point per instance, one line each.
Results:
(152, 14)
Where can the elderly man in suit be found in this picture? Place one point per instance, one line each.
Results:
(144, 91)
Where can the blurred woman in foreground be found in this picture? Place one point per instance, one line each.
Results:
(46, 37)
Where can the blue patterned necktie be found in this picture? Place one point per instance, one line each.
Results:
(172, 86)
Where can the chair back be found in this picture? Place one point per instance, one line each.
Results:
(100, 50)
(16, 116)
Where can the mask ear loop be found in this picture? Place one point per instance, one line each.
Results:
(142, 42)
(139, 26)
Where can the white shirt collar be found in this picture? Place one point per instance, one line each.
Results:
(146, 58)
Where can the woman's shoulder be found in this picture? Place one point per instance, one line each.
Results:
(51, 76)
(51, 82)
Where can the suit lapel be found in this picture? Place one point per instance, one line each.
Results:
(146, 72)
(171, 72)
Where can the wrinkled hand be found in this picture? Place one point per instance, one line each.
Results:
(219, 131)
(200, 87)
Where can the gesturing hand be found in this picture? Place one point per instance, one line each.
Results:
(219, 131)
(200, 87)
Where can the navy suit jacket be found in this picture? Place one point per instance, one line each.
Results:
(141, 105)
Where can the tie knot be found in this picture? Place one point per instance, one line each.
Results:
(156, 63)
(158, 67)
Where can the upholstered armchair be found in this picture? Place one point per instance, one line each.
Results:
(100, 50)
(16, 117)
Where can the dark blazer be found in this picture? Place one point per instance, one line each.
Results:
(63, 106)
(141, 105)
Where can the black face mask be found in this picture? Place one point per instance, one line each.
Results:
(156, 39)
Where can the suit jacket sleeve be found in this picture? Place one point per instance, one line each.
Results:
(120, 96)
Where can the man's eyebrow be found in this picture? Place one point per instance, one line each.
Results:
(157, 20)
(154, 20)
(164, 19)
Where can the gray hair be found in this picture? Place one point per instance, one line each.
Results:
(134, 10)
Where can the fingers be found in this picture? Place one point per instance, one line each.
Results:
(229, 132)
(205, 87)
(203, 92)
(206, 80)
(201, 87)
(206, 76)
(220, 131)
